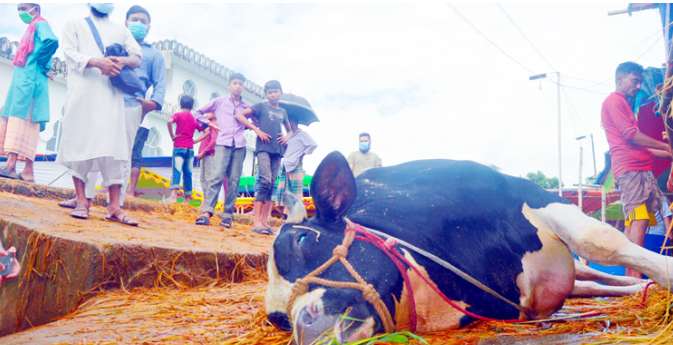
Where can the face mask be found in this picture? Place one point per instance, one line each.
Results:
(103, 7)
(138, 30)
(364, 146)
(26, 17)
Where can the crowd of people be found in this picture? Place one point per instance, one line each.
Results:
(104, 132)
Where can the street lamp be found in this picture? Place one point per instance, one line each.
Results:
(558, 97)
(579, 191)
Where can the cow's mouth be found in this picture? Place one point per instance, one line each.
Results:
(313, 326)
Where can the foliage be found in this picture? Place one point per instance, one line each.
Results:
(542, 180)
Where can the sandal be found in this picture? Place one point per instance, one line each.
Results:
(203, 220)
(4, 172)
(72, 203)
(120, 217)
(262, 230)
(80, 212)
(226, 222)
(22, 179)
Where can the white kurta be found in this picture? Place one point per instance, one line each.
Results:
(93, 124)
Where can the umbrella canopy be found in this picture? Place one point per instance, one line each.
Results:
(298, 109)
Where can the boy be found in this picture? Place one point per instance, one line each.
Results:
(183, 148)
(268, 150)
(207, 154)
(229, 149)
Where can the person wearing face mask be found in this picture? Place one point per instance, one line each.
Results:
(94, 123)
(26, 111)
(363, 159)
(152, 72)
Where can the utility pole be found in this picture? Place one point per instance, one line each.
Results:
(558, 98)
(560, 170)
(593, 152)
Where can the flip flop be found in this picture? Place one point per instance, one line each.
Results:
(262, 230)
(203, 220)
(4, 172)
(226, 222)
(72, 203)
(80, 209)
(123, 218)
(18, 176)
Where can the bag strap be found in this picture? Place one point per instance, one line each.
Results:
(95, 35)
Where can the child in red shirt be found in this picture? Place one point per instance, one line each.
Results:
(183, 148)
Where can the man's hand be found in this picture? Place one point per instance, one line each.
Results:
(51, 77)
(107, 66)
(147, 105)
(16, 268)
(120, 61)
(173, 137)
(210, 116)
(214, 126)
(201, 155)
(284, 139)
(265, 138)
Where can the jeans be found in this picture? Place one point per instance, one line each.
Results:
(183, 159)
(267, 164)
(227, 163)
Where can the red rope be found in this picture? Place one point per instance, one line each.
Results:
(389, 249)
(645, 292)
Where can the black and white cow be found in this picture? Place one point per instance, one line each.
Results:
(506, 232)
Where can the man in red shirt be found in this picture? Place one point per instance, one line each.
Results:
(633, 155)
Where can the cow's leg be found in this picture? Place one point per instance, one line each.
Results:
(592, 289)
(583, 272)
(599, 242)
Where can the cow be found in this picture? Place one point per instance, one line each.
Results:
(505, 232)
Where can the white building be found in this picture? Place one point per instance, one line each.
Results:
(187, 72)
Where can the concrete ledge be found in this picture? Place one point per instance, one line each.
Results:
(66, 260)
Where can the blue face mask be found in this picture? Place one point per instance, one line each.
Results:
(103, 7)
(138, 30)
(364, 146)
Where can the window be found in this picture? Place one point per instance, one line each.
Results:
(214, 95)
(55, 141)
(151, 148)
(188, 88)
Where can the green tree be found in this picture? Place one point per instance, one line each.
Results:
(542, 180)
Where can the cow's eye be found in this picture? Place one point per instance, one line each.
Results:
(301, 239)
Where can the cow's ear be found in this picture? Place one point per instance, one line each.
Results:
(333, 188)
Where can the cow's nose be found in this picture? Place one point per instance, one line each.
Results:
(280, 320)
(307, 315)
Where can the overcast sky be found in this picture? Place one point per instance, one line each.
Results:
(420, 79)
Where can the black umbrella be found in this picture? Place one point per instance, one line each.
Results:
(298, 109)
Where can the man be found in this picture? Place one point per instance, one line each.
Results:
(633, 155)
(361, 160)
(26, 111)
(152, 72)
(229, 149)
(94, 127)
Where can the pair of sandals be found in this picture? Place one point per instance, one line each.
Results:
(263, 230)
(4, 172)
(81, 211)
(205, 220)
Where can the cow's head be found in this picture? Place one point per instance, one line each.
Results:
(303, 245)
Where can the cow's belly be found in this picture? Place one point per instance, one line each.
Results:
(548, 274)
(433, 313)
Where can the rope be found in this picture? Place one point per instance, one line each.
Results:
(645, 292)
(451, 268)
(369, 293)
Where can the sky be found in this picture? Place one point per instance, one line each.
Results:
(427, 81)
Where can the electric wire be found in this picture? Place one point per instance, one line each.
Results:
(526, 37)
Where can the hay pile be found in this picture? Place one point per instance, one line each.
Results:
(233, 314)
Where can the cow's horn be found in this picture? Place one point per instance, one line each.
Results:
(296, 212)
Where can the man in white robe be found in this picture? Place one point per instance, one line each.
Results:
(93, 128)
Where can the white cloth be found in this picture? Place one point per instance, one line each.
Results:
(300, 144)
(93, 123)
(110, 169)
(132, 116)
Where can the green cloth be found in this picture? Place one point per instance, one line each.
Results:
(29, 84)
(363, 161)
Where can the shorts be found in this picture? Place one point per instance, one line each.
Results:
(641, 213)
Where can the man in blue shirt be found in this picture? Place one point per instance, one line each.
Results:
(152, 72)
